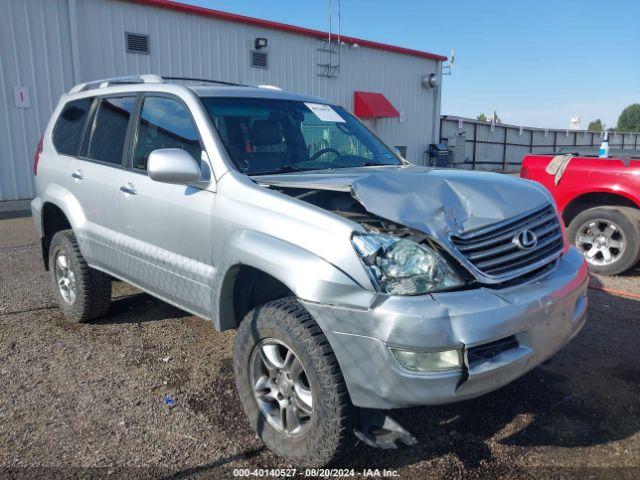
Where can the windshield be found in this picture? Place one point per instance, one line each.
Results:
(264, 135)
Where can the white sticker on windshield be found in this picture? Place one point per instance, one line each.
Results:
(325, 112)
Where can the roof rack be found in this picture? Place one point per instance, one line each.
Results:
(152, 78)
(106, 82)
(205, 80)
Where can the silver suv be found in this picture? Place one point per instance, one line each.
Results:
(357, 282)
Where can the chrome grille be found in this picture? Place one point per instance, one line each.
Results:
(495, 253)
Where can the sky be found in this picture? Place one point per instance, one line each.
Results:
(537, 63)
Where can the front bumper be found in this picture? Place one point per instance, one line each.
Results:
(543, 315)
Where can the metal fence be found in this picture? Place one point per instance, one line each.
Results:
(496, 146)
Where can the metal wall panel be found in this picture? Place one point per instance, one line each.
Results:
(565, 138)
(504, 147)
(38, 39)
(34, 53)
(584, 139)
(514, 136)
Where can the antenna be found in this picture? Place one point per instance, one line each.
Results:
(330, 21)
(329, 64)
(338, 24)
(446, 67)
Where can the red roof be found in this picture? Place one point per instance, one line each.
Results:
(373, 105)
(232, 17)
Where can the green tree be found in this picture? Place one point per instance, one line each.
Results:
(629, 119)
(482, 117)
(596, 126)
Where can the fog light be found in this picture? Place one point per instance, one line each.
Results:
(428, 361)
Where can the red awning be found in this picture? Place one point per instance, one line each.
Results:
(373, 105)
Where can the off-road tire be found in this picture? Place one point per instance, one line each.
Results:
(330, 434)
(628, 220)
(93, 288)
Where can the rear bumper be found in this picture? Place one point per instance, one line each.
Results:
(543, 316)
(36, 213)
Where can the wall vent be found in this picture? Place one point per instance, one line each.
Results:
(258, 59)
(137, 43)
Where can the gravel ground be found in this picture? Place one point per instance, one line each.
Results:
(88, 400)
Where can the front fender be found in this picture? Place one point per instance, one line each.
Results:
(308, 276)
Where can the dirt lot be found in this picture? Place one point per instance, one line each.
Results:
(88, 400)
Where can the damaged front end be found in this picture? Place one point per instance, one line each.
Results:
(429, 241)
(471, 220)
(399, 260)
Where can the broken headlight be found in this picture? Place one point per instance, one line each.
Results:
(404, 267)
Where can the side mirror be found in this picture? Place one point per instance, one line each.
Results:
(172, 165)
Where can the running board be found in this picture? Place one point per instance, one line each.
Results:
(377, 429)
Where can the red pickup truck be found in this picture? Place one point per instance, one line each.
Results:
(599, 199)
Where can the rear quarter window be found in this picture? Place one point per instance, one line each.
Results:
(68, 129)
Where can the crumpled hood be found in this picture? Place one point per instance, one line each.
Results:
(436, 202)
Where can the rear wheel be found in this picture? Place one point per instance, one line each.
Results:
(290, 385)
(608, 237)
(81, 292)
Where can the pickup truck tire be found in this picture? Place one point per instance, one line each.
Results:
(85, 293)
(595, 224)
(276, 330)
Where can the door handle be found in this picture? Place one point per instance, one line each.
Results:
(78, 175)
(129, 188)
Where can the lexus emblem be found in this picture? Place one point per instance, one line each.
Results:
(525, 240)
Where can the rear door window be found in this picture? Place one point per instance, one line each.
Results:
(106, 138)
(68, 130)
(165, 123)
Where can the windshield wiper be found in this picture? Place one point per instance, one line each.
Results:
(369, 164)
(284, 169)
(373, 164)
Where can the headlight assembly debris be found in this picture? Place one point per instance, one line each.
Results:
(404, 267)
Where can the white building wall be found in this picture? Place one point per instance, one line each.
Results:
(34, 52)
(37, 49)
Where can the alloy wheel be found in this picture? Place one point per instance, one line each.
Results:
(600, 241)
(281, 387)
(65, 278)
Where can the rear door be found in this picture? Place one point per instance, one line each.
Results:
(166, 230)
(67, 138)
(94, 176)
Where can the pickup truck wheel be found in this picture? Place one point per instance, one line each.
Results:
(290, 385)
(81, 292)
(608, 237)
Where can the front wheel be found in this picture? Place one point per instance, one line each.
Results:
(608, 237)
(290, 385)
